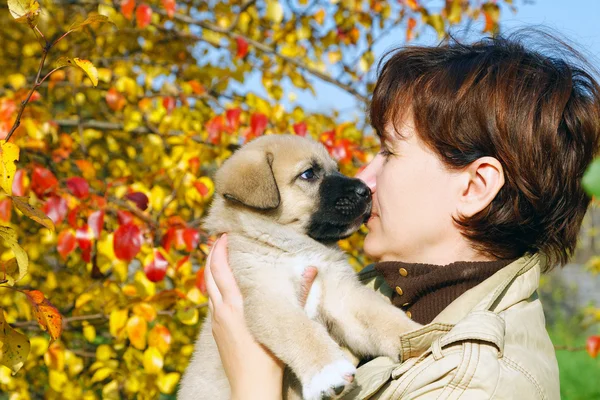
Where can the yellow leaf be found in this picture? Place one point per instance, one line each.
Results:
(117, 321)
(10, 238)
(22, 203)
(166, 382)
(274, 11)
(188, 316)
(104, 352)
(101, 374)
(160, 337)
(320, 16)
(136, 331)
(57, 380)
(92, 18)
(145, 310)
(9, 154)
(85, 65)
(10, 272)
(39, 345)
(14, 345)
(17, 81)
(24, 11)
(153, 360)
(334, 56)
(89, 333)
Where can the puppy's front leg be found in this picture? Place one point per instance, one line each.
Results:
(364, 320)
(304, 345)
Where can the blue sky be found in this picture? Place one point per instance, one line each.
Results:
(577, 20)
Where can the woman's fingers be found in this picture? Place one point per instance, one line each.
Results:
(222, 275)
(214, 295)
(308, 277)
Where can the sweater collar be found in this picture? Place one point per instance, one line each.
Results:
(424, 290)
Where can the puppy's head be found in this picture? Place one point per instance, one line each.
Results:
(295, 182)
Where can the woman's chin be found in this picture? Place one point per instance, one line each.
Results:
(370, 246)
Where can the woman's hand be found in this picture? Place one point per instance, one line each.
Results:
(253, 371)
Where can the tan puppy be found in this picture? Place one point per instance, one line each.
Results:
(284, 205)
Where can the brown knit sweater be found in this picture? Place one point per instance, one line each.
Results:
(424, 290)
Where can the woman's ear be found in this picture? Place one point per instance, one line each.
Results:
(483, 179)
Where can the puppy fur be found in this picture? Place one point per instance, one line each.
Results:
(284, 205)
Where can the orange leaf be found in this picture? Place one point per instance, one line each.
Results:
(46, 314)
(127, 7)
(136, 331)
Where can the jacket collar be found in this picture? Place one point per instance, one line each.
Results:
(522, 276)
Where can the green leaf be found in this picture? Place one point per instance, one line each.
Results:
(24, 11)
(591, 178)
(9, 154)
(85, 65)
(10, 238)
(22, 203)
(92, 18)
(14, 346)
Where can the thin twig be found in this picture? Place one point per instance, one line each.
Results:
(24, 102)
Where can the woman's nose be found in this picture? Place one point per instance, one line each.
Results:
(368, 174)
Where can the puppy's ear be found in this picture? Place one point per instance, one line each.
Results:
(247, 178)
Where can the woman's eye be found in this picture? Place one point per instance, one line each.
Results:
(308, 175)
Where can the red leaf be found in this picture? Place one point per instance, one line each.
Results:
(194, 164)
(127, 241)
(42, 181)
(300, 128)
(258, 124)
(200, 282)
(56, 209)
(214, 127)
(78, 186)
(143, 15)
(168, 103)
(342, 151)
(72, 217)
(233, 118)
(96, 222)
(156, 269)
(327, 138)
(139, 198)
(18, 186)
(169, 6)
(124, 217)
(5, 209)
(593, 346)
(127, 7)
(201, 188)
(115, 100)
(168, 238)
(191, 237)
(84, 237)
(242, 47)
(46, 314)
(66, 243)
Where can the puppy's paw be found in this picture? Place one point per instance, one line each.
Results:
(330, 382)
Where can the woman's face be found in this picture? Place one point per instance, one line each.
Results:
(414, 199)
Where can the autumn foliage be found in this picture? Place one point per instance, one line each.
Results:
(113, 118)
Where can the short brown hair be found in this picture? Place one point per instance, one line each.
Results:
(539, 115)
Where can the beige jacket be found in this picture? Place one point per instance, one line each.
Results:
(490, 343)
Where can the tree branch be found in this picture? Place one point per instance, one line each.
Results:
(261, 47)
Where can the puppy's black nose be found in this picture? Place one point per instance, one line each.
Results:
(362, 190)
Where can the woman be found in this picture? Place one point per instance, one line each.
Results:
(476, 191)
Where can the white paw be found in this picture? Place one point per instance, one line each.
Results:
(330, 381)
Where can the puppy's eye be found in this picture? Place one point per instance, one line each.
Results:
(308, 175)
